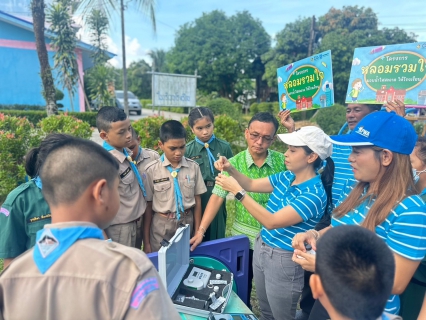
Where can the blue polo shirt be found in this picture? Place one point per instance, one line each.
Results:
(308, 199)
(342, 170)
(404, 230)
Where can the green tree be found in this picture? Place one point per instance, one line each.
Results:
(339, 30)
(98, 25)
(38, 15)
(64, 42)
(222, 50)
(158, 57)
(331, 119)
(98, 80)
(139, 79)
(145, 6)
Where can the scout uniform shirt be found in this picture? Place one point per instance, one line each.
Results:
(160, 187)
(144, 157)
(244, 222)
(132, 201)
(23, 213)
(198, 153)
(91, 279)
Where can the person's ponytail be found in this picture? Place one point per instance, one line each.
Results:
(31, 166)
(327, 177)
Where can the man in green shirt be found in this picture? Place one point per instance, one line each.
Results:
(257, 161)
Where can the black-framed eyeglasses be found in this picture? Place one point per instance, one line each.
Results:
(256, 136)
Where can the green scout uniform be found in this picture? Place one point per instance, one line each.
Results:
(23, 213)
(244, 222)
(198, 153)
(412, 298)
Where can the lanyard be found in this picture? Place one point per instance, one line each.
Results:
(210, 154)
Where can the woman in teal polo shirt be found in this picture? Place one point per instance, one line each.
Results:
(299, 198)
(412, 298)
(25, 211)
(382, 199)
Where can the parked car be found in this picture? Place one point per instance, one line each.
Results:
(134, 103)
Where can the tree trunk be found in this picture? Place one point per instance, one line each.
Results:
(37, 9)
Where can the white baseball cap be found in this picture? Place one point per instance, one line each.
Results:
(310, 136)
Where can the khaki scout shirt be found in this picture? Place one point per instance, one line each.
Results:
(145, 157)
(160, 187)
(132, 201)
(93, 279)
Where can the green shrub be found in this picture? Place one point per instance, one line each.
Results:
(331, 119)
(419, 128)
(17, 136)
(145, 103)
(189, 134)
(33, 116)
(64, 123)
(149, 131)
(89, 117)
(254, 108)
(22, 107)
(230, 130)
(221, 106)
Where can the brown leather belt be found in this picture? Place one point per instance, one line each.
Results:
(172, 215)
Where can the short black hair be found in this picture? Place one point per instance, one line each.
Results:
(357, 271)
(135, 133)
(72, 166)
(374, 107)
(36, 156)
(107, 115)
(198, 113)
(172, 129)
(265, 117)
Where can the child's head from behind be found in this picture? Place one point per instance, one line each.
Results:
(201, 121)
(114, 127)
(134, 143)
(173, 140)
(82, 177)
(354, 273)
(35, 158)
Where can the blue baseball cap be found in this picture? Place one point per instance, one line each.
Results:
(386, 130)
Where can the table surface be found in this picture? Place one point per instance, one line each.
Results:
(235, 305)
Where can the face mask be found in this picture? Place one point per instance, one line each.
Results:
(416, 175)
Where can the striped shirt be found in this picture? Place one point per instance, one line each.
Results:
(244, 222)
(308, 199)
(404, 230)
(342, 170)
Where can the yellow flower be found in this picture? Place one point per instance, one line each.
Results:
(174, 174)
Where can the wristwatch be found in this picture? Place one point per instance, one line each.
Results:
(240, 195)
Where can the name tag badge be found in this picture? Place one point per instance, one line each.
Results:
(209, 183)
(161, 180)
(195, 157)
(125, 173)
(39, 218)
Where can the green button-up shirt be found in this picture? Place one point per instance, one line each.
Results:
(198, 153)
(244, 222)
(22, 214)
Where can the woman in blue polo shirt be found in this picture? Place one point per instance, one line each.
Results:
(383, 197)
(299, 198)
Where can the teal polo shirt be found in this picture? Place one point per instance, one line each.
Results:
(309, 199)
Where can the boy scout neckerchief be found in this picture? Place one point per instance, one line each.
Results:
(178, 194)
(107, 147)
(206, 145)
(137, 157)
(37, 182)
(51, 244)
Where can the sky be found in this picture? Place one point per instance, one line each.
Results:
(140, 38)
